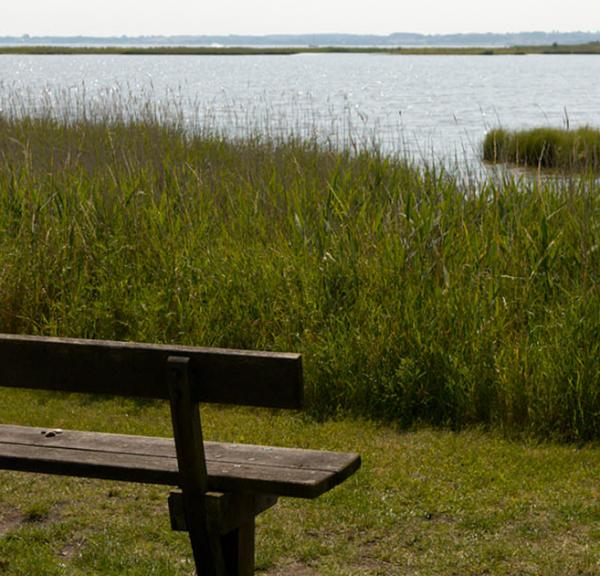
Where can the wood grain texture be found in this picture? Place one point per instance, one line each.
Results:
(240, 468)
(218, 375)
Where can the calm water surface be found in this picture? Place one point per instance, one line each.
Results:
(426, 106)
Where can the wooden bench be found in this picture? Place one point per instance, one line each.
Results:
(222, 486)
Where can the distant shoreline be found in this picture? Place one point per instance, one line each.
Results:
(588, 48)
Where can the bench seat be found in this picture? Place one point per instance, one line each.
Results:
(239, 468)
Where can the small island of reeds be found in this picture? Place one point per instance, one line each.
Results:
(554, 148)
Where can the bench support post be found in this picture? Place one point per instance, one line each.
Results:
(187, 431)
(238, 549)
(232, 516)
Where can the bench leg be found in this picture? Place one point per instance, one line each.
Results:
(230, 530)
(206, 545)
(238, 550)
(231, 554)
(206, 553)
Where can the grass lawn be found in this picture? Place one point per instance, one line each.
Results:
(425, 502)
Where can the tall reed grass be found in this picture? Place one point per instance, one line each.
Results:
(412, 298)
(566, 150)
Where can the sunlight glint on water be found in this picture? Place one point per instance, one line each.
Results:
(424, 106)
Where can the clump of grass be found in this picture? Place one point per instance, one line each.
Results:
(565, 150)
(413, 298)
(37, 512)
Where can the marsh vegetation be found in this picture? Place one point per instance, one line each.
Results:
(586, 48)
(414, 297)
(565, 150)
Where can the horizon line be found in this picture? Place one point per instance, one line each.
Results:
(272, 34)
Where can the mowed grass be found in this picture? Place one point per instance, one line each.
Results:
(566, 150)
(425, 502)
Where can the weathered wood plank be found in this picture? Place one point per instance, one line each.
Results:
(133, 369)
(231, 467)
(157, 446)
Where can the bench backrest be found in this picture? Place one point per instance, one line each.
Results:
(268, 379)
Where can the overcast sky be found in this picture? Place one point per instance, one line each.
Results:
(171, 17)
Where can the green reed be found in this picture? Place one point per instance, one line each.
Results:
(566, 150)
(411, 297)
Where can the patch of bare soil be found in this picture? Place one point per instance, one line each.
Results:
(72, 549)
(9, 520)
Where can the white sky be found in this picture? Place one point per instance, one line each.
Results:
(171, 17)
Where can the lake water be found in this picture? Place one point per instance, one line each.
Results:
(425, 106)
